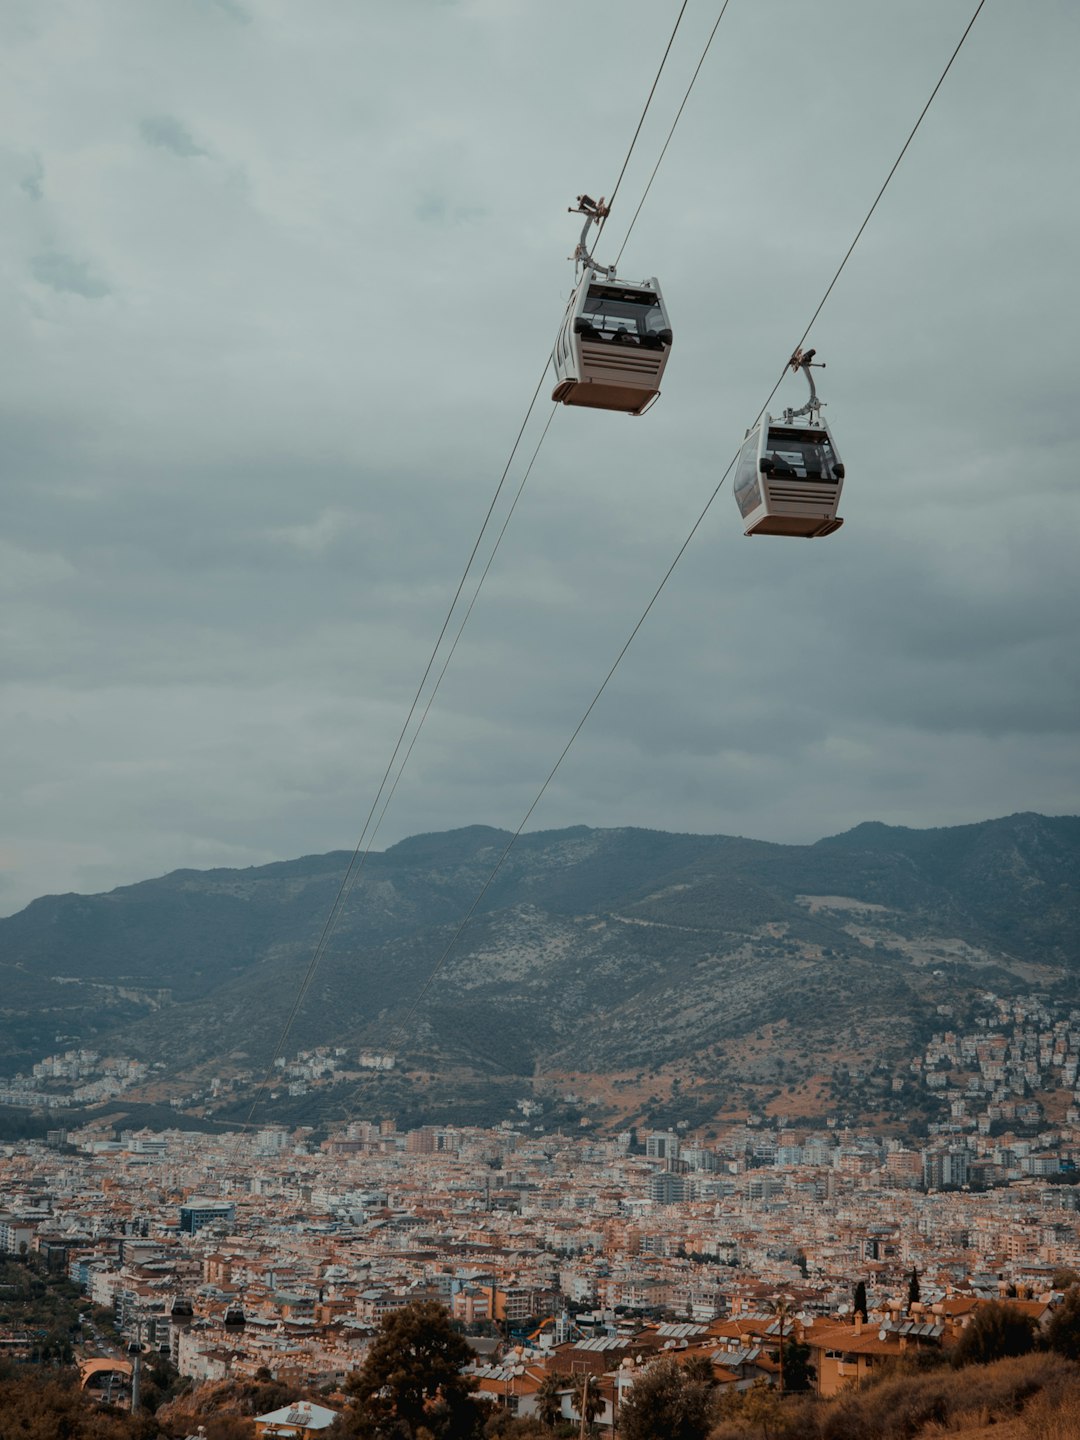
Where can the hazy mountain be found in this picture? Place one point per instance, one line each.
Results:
(618, 952)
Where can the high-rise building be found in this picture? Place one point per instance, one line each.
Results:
(662, 1145)
(199, 1211)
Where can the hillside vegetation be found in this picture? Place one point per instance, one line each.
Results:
(599, 951)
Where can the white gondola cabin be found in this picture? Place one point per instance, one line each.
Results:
(788, 480)
(789, 476)
(613, 344)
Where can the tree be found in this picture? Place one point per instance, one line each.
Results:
(699, 1367)
(859, 1306)
(501, 1425)
(997, 1330)
(913, 1291)
(799, 1374)
(36, 1409)
(666, 1403)
(1063, 1331)
(411, 1379)
(761, 1407)
(549, 1400)
(585, 1397)
(780, 1306)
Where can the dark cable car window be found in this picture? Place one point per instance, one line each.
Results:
(805, 454)
(625, 313)
(747, 489)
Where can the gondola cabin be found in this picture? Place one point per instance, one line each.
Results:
(788, 479)
(613, 344)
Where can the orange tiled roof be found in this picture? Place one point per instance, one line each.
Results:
(827, 1335)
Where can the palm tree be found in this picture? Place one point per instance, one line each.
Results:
(780, 1307)
(699, 1368)
(585, 1399)
(549, 1400)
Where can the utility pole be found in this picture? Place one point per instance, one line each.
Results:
(781, 1352)
(136, 1375)
(135, 1351)
(584, 1405)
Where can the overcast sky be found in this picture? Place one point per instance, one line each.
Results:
(277, 281)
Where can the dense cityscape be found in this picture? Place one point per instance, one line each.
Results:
(268, 1254)
(486, 953)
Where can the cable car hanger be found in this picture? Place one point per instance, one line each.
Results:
(595, 212)
(802, 360)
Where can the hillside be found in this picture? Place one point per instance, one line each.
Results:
(700, 962)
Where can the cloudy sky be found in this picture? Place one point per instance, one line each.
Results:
(277, 282)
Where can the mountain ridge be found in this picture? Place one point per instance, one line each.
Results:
(593, 951)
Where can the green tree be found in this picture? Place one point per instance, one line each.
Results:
(859, 1305)
(411, 1380)
(996, 1331)
(1063, 1331)
(501, 1425)
(160, 1381)
(34, 1408)
(761, 1407)
(666, 1403)
(781, 1307)
(699, 1367)
(913, 1291)
(799, 1374)
(549, 1400)
(585, 1397)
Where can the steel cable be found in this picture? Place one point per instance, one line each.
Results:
(403, 1026)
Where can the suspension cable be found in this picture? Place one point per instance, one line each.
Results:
(671, 132)
(305, 985)
(444, 956)
(641, 119)
(364, 844)
(360, 854)
(877, 199)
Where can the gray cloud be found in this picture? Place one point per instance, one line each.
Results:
(67, 275)
(32, 182)
(167, 133)
(240, 495)
(231, 9)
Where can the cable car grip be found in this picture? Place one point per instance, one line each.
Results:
(595, 212)
(803, 360)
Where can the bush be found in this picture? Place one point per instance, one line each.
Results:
(996, 1332)
(1063, 1331)
(900, 1406)
(666, 1403)
(1054, 1415)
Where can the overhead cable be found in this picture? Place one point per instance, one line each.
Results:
(670, 569)
(671, 132)
(641, 118)
(360, 854)
(364, 844)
